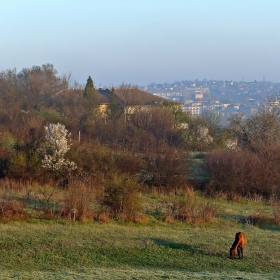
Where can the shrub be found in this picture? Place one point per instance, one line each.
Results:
(190, 210)
(44, 199)
(276, 213)
(79, 203)
(50, 115)
(167, 169)
(257, 218)
(104, 217)
(122, 197)
(5, 157)
(128, 163)
(243, 172)
(93, 157)
(13, 209)
(56, 148)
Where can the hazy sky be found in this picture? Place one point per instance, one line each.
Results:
(143, 41)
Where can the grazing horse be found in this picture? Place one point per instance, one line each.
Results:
(239, 243)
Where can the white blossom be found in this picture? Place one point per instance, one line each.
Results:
(203, 134)
(56, 135)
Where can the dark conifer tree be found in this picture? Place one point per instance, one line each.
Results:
(89, 97)
(89, 89)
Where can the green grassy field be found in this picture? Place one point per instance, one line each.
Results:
(154, 250)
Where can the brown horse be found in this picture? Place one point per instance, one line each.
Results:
(239, 243)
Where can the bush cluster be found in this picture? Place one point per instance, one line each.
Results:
(245, 172)
(92, 163)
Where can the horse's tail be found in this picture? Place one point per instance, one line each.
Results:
(240, 239)
(236, 241)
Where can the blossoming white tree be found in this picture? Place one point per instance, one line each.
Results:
(56, 135)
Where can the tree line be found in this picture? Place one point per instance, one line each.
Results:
(132, 144)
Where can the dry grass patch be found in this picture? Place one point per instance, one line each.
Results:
(13, 209)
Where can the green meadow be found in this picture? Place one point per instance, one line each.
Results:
(153, 249)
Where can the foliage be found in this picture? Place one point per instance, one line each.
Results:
(177, 111)
(137, 134)
(114, 111)
(88, 92)
(89, 97)
(121, 196)
(7, 142)
(276, 212)
(24, 161)
(93, 158)
(127, 169)
(51, 116)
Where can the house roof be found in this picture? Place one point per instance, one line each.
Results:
(135, 96)
(124, 96)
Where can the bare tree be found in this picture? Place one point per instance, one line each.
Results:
(39, 83)
(256, 131)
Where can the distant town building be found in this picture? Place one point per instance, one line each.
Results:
(193, 110)
(225, 98)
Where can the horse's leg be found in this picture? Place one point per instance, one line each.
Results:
(239, 252)
(241, 249)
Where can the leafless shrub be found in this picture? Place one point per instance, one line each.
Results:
(78, 204)
(244, 172)
(148, 127)
(44, 199)
(166, 168)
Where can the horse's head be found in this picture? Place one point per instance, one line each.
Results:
(231, 253)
